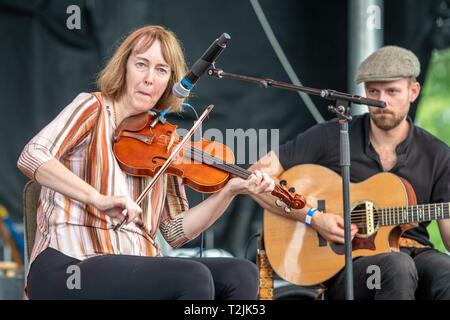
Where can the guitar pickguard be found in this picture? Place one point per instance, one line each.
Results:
(358, 243)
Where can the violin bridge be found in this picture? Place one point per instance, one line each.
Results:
(170, 145)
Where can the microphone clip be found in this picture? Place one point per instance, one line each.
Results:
(341, 109)
(159, 117)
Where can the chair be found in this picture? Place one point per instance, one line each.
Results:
(288, 292)
(31, 193)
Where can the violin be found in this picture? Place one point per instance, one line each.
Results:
(141, 147)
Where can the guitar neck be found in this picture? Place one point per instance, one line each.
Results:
(417, 213)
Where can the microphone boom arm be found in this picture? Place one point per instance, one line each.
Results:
(324, 93)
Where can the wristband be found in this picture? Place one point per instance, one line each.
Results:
(309, 216)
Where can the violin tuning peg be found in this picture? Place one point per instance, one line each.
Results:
(287, 209)
(279, 203)
(283, 183)
(291, 190)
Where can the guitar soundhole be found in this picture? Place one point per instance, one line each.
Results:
(365, 216)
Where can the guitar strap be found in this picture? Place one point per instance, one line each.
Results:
(406, 242)
(265, 272)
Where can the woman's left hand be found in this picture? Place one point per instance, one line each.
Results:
(256, 183)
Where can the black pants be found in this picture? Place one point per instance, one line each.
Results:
(53, 276)
(413, 273)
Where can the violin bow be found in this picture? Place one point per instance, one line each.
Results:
(172, 157)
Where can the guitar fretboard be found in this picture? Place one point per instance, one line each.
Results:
(418, 213)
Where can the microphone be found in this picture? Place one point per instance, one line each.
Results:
(333, 95)
(183, 88)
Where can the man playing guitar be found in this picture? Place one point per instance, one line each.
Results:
(384, 140)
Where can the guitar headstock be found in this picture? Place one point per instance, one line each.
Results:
(288, 197)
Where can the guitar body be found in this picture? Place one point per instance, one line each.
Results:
(299, 255)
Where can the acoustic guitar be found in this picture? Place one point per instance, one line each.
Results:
(383, 207)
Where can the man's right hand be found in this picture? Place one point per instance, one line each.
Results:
(331, 226)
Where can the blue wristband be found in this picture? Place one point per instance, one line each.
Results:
(309, 216)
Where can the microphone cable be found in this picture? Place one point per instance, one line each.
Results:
(187, 105)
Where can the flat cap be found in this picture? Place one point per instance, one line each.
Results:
(388, 63)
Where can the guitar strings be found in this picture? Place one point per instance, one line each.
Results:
(393, 218)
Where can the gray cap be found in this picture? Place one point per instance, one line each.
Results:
(388, 64)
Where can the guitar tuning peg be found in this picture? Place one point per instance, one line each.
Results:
(287, 209)
(291, 190)
(279, 203)
(283, 183)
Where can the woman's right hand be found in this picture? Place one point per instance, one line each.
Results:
(54, 175)
(117, 207)
(331, 226)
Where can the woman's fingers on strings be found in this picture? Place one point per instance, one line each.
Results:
(259, 182)
(252, 180)
(258, 175)
(268, 183)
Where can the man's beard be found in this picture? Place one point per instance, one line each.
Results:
(388, 122)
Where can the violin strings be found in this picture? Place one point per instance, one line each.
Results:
(229, 166)
(219, 162)
(203, 155)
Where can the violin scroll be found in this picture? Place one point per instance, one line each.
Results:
(292, 201)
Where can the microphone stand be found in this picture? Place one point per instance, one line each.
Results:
(341, 109)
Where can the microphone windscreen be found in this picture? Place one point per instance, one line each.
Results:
(179, 91)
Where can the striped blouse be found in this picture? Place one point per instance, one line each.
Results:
(80, 137)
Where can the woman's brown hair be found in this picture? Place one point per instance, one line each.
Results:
(111, 80)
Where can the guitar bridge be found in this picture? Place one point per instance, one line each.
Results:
(369, 218)
(365, 216)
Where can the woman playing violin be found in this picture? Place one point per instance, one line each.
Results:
(84, 194)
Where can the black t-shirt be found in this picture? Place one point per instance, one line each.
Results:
(422, 159)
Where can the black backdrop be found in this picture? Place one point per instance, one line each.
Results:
(44, 65)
